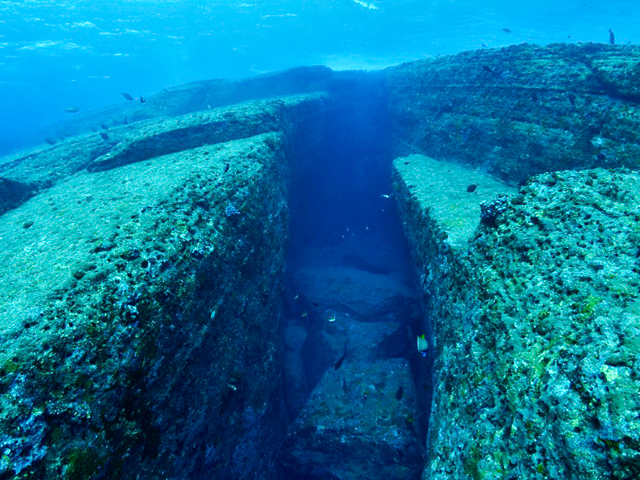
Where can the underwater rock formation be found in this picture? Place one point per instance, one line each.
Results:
(140, 300)
(142, 274)
(535, 322)
(360, 421)
(521, 110)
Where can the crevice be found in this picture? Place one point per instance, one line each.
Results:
(355, 385)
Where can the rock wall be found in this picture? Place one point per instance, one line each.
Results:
(140, 312)
(521, 110)
(191, 97)
(535, 319)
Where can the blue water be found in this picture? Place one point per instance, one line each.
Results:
(58, 54)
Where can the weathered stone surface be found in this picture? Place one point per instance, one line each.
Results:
(359, 422)
(294, 381)
(365, 296)
(521, 110)
(139, 317)
(349, 339)
(191, 97)
(205, 128)
(535, 327)
(140, 141)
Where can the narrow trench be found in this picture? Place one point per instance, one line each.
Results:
(352, 312)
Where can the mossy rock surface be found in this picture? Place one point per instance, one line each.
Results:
(521, 110)
(139, 316)
(536, 328)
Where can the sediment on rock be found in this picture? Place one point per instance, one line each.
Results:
(536, 324)
(521, 110)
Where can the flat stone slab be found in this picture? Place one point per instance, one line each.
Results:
(126, 301)
(365, 296)
(536, 327)
(361, 421)
(441, 189)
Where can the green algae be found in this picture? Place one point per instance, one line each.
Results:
(528, 323)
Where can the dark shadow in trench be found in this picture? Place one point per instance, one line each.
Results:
(350, 294)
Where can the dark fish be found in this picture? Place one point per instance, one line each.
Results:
(487, 68)
(507, 30)
(127, 96)
(142, 100)
(472, 188)
(50, 141)
(534, 96)
(104, 136)
(399, 393)
(345, 387)
(72, 110)
(340, 360)
(612, 38)
(104, 126)
(94, 129)
(226, 168)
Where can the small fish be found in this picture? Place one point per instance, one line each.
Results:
(423, 344)
(304, 314)
(612, 38)
(534, 96)
(340, 360)
(50, 140)
(507, 30)
(72, 109)
(484, 45)
(127, 96)
(399, 393)
(345, 387)
(296, 297)
(226, 168)
(385, 196)
(487, 68)
(94, 129)
(142, 100)
(104, 136)
(104, 126)
(472, 188)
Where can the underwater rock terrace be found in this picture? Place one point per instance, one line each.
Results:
(141, 315)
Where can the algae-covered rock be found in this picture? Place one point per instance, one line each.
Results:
(361, 421)
(365, 296)
(198, 96)
(521, 110)
(24, 175)
(139, 317)
(535, 324)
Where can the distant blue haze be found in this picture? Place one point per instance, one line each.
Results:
(58, 54)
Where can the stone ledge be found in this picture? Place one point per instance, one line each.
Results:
(536, 329)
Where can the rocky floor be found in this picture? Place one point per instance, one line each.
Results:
(350, 346)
